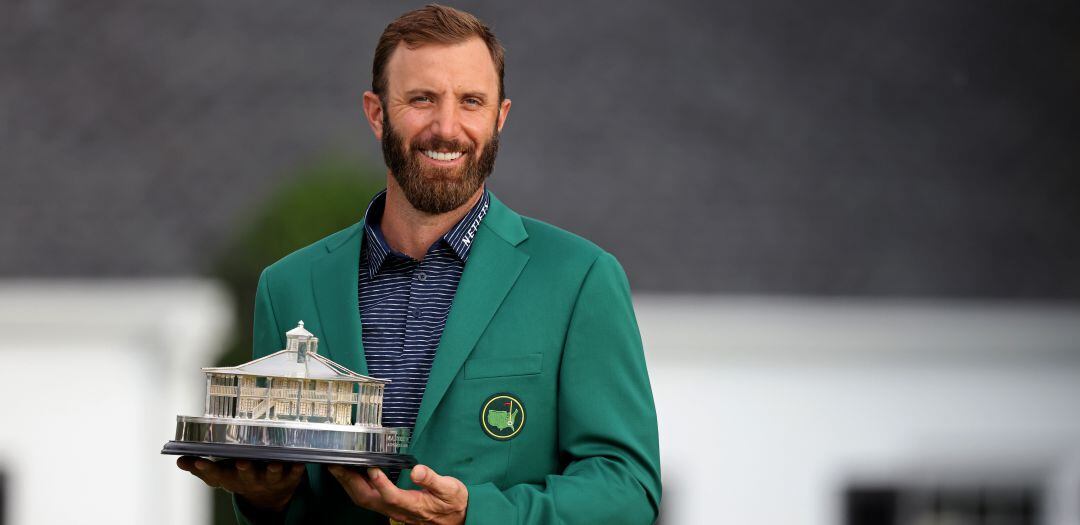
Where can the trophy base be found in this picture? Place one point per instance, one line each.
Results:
(287, 454)
(290, 441)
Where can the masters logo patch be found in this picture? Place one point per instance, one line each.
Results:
(502, 416)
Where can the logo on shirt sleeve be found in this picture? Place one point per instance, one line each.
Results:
(502, 416)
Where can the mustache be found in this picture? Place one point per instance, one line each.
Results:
(441, 144)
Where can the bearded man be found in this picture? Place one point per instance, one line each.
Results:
(511, 345)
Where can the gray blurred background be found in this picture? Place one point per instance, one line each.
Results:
(776, 146)
(851, 229)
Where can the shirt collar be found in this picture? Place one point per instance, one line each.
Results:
(459, 238)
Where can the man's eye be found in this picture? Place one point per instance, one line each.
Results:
(473, 102)
(421, 99)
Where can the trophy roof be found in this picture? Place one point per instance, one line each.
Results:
(299, 331)
(283, 364)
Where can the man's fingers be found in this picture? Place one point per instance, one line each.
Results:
(357, 487)
(246, 471)
(186, 463)
(442, 487)
(389, 492)
(273, 473)
(296, 470)
(202, 469)
(266, 486)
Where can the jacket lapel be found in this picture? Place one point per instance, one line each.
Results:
(493, 266)
(334, 278)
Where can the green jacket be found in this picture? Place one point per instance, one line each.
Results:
(540, 314)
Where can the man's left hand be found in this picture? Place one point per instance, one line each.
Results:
(442, 500)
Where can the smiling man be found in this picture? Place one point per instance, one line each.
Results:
(511, 345)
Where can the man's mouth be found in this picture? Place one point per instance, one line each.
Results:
(444, 156)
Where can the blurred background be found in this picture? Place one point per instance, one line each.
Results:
(851, 229)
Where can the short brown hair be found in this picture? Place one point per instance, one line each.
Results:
(432, 23)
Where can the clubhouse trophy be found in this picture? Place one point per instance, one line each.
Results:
(293, 405)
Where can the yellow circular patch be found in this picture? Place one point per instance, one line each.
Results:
(502, 416)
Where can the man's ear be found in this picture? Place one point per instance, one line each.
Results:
(504, 110)
(373, 111)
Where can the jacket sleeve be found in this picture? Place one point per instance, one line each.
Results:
(607, 422)
(267, 339)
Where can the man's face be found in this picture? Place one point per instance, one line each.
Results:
(440, 122)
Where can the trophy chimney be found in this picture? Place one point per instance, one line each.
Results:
(301, 341)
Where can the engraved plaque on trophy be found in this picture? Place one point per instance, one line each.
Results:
(293, 405)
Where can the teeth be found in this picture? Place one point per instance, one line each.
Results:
(442, 156)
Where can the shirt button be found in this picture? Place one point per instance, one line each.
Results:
(414, 312)
(421, 276)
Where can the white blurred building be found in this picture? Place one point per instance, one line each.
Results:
(771, 409)
(94, 373)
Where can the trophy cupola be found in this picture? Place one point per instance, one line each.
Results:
(301, 341)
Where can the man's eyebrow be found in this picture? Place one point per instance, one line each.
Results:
(475, 94)
(480, 95)
(420, 91)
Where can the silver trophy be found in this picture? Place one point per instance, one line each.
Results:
(293, 405)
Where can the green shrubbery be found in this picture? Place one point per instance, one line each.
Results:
(317, 202)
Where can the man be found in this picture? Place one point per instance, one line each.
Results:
(512, 345)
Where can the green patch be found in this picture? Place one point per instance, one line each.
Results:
(502, 416)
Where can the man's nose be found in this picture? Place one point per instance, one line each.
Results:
(447, 124)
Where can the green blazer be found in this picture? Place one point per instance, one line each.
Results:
(541, 315)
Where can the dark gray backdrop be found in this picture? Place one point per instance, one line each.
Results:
(776, 146)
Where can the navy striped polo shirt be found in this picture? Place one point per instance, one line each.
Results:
(404, 304)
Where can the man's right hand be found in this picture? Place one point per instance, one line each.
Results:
(265, 486)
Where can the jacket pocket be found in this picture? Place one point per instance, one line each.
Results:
(518, 365)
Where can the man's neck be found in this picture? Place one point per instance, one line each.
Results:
(411, 231)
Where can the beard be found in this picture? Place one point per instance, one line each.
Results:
(431, 189)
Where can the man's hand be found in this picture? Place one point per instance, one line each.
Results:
(442, 500)
(267, 486)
